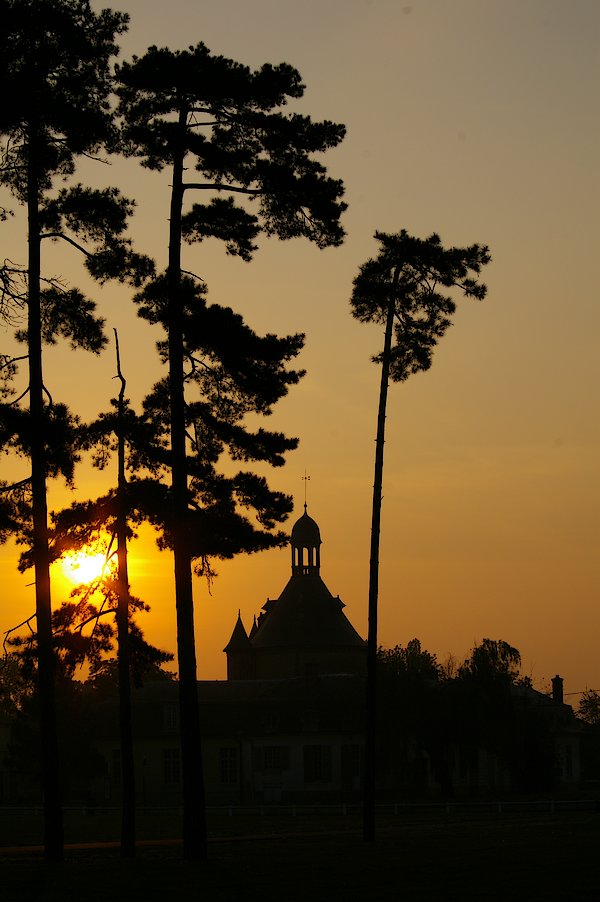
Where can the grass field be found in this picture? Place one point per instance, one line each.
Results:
(424, 856)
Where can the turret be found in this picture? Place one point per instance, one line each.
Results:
(240, 660)
(306, 547)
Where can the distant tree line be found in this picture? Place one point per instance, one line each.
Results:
(435, 712)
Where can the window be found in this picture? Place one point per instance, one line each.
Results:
(171, 716)
(273, 758)
(171, 767)
(317, 764)
(277, 757)
(228, 765)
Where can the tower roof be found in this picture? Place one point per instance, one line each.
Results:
(239, 637)
(306, 615)
(305, 532)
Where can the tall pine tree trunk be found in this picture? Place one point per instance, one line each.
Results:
(370, 764)
(194, 815)
(123, 655)
(53, 825)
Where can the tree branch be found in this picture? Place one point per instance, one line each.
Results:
(18, 627)
(13, 487)
(68, 240)
(95, 617)
(9, 361)
(203, 124)
(219, 186)
(20, 398)
(187, 272)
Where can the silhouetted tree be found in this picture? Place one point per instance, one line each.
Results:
(77, 708)
(434, 724)
(15, 684)
(107, 521)
(55, 72)
(493, 662)
(412, 662)
(123, 607)
(588, 709)
(80, 761)
(227, 119)
(237, 372)
(84, 633)
(405, 288)
(496, 708)
(484, 711)
(408, 693)
(104, 679)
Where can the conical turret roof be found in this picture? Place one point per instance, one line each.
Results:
(239, 637)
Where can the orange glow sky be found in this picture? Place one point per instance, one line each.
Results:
(477, 119)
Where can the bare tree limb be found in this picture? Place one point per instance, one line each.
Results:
(66, 238)
(221, 186)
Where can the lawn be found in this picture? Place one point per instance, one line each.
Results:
(530, 856)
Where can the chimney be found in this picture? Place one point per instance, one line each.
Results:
(557, 689)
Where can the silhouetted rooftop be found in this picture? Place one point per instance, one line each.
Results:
(306, 615)
(305, 531)
(239, 637)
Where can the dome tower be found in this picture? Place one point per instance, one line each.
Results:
(306, 546)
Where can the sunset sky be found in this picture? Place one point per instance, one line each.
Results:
(476, 119)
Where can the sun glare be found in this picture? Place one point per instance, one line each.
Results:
(82, 567)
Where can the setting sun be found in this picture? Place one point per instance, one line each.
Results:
(83, 567)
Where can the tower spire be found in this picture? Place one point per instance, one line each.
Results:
(306, 480)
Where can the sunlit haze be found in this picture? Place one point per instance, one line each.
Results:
(83, 567)
(475, 119)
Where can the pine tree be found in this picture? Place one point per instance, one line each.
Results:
(230, 373)
(55, 70)
(405, 289)
(227, 120)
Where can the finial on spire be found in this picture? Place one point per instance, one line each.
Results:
(305, 479)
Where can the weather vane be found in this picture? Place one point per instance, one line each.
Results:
(305, 480)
